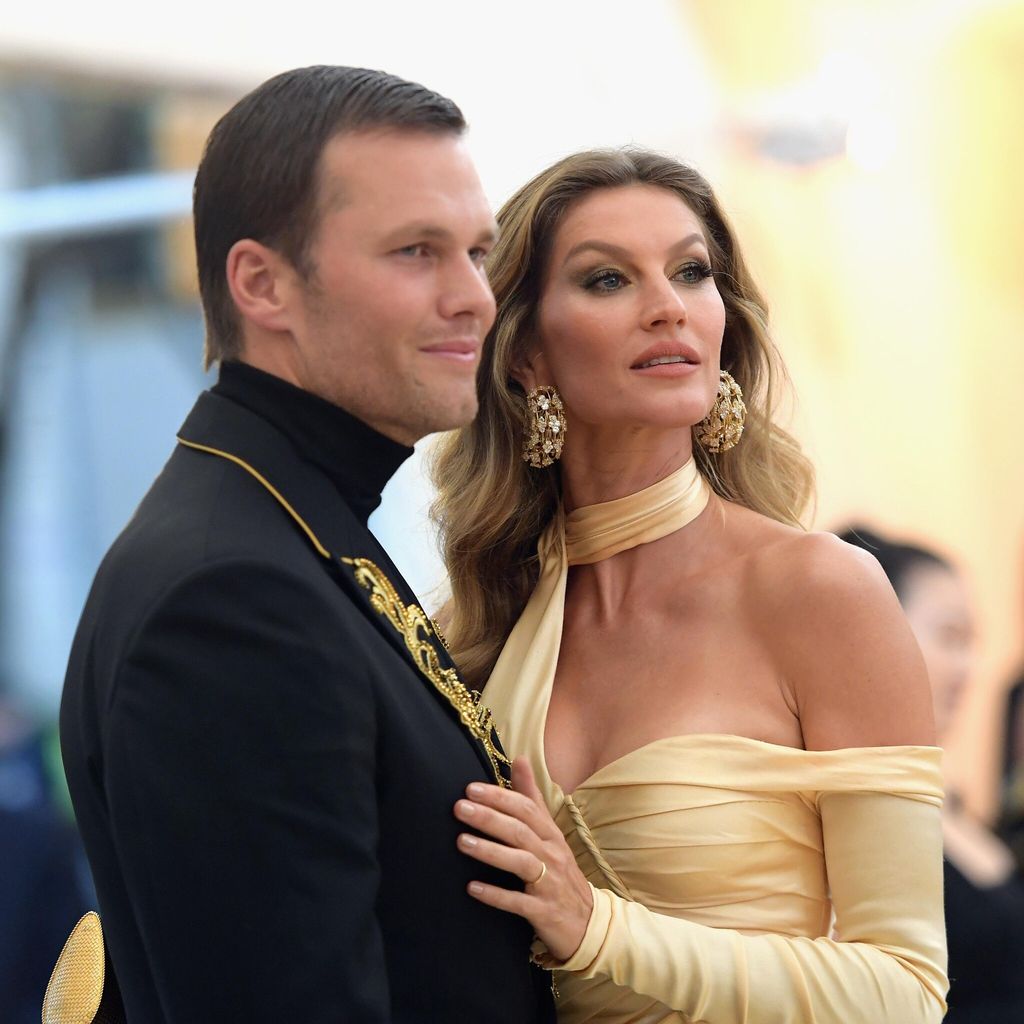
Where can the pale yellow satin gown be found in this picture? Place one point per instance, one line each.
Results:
(734, 881)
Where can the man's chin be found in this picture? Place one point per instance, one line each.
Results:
(435, 418)
(454, 415)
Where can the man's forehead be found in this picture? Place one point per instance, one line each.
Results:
(397, 168)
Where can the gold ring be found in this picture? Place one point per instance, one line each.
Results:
(543, 872)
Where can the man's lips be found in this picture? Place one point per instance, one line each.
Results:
(460, 350)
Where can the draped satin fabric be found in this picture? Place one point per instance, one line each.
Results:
(734, 881)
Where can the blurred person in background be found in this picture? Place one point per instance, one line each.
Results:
(707, 764)
(262, 732)
(1011, 811)
(984, 896)
(43, 879)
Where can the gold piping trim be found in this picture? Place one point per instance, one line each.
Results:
(266, 483)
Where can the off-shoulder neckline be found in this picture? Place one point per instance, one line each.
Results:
(725, 739)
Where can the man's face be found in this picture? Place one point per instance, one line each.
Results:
(390, 322)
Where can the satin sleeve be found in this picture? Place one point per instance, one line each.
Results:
(885, 962)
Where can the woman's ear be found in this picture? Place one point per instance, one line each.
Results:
(531, 371)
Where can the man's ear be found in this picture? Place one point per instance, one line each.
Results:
(261, 282)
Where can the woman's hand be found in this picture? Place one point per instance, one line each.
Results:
(557, 900)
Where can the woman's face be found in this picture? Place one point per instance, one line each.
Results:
(630, 319)
(939, 611)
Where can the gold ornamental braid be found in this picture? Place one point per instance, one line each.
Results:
(416, 629)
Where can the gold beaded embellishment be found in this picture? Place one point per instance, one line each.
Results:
(415, 628)
(440, 635)
(545, 427)
(722, 428)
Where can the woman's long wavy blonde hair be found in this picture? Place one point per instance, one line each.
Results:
(491, 507)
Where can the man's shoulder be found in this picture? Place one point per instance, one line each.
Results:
(202, 517)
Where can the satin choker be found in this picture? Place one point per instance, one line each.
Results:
(596, 532)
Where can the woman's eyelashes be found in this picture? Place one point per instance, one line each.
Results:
(694, 271)
(607, 279)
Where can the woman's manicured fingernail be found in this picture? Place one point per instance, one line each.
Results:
(465, 807)
(475, 789)
(469, 841)
(475, 888)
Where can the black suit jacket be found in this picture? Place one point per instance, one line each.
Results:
(263, 745)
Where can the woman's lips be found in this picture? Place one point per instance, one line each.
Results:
(679, 369)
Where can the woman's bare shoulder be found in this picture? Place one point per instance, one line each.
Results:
(821, 562)
(840, 642)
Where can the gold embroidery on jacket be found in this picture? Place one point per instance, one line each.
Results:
(416, 629)
(409, 621)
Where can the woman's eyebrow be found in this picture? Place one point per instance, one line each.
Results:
(616, 251)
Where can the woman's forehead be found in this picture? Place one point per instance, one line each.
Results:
(630, 216)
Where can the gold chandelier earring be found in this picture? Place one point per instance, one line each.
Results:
(544, 431)
(722, 428)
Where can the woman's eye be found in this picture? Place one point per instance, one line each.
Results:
(694, 272)
(605, 281)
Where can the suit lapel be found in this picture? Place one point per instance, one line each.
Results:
(220, 428)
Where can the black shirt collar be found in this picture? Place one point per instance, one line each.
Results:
(358, 460)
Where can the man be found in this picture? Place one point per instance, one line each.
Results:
(264, 737)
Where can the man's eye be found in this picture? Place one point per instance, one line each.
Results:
(419, 249)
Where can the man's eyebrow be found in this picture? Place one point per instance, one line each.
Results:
(419, 230)
(426, 231)
(619, 253)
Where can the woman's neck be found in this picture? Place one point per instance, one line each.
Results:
(605, 584)
(610, 465)
(636, 579)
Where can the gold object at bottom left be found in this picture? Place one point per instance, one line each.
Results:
(75, 990)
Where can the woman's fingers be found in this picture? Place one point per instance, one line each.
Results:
(511, 831)
(503, 899)
(527, 866)
(515, 805)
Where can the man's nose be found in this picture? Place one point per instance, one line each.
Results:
(466, 290)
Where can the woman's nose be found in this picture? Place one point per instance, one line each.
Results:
(666, 307)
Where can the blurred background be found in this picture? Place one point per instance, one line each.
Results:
(871, 155)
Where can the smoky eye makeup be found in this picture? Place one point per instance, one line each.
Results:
(695, 270)
(602, 279)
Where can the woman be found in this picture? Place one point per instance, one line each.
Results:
(984, 898)
(710, 707)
